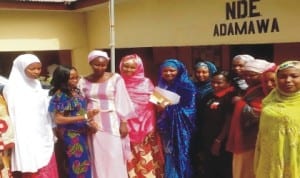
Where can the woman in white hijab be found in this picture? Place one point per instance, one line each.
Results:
(33, 154)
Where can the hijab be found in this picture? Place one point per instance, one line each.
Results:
(139, 89)
(176, 122)
(203, 88)
(27, 105)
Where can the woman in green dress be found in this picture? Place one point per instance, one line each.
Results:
(277, 153)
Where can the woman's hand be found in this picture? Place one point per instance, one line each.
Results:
(91, 113)
(94, 127)
(161, 106)
(123, 129)
(215, 149)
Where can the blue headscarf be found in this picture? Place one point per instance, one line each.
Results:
(176, 122)
(203, 88)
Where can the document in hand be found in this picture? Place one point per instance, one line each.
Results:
(160, 95)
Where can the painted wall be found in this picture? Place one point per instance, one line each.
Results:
(149, 23)
(48, 30)
(195, 22)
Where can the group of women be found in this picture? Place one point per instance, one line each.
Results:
(108, 127)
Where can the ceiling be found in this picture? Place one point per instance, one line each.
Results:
(48, 4)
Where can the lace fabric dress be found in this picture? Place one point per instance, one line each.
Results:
(109, 151)
(277, 151)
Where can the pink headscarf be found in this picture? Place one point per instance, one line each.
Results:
(139, 89)
(270, 68)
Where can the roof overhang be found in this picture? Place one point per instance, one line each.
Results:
(49, 4)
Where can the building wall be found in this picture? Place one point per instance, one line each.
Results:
(44, 31)
(155, 23)
(172, 24)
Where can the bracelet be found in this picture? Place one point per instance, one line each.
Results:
(217, 140)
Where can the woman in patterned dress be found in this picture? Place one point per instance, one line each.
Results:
(144, 140)
(69, 110)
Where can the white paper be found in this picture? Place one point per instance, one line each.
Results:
(172, 97)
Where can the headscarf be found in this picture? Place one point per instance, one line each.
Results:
(139, 89)
(176, 122)
(27, 105)
(97, 53)
(181, 80)
(243, 57)
(239, 82)
(278, 136)
(203, 88)
(257, 65)
(270, 68)
(286, 65)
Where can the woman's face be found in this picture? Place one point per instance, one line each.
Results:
(169, 73)
(238, 66)
(252, 78)
(73, 79)
(99, 65)
(288, 80)
(129, 67)
(269, 81)
(219, 83)
(33, 70)
(202, 74)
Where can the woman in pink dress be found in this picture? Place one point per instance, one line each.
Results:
(110, 146)
(144, 141)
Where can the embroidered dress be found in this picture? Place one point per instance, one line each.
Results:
(144, 140)
(176, 122)
(109, 152)
(74, 135)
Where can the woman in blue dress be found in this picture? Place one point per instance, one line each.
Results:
(176, 121)
(69, 111)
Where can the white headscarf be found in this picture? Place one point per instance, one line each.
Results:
(257, 65)
(28, 109)
(97, 53)
(243, 57)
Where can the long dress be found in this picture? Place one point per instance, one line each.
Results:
(33, 153)
(277, 153)
(215, 109)
(176, 123)
(73, 135)
(243, 132)
(108, 151)
(144, 139)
